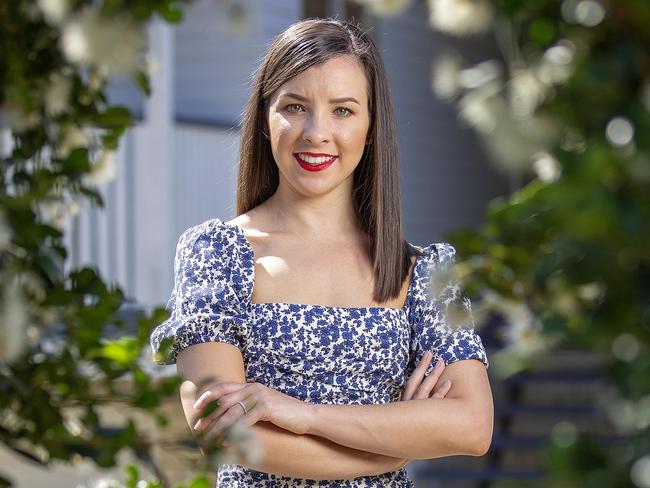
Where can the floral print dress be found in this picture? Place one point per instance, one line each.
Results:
(316, 353)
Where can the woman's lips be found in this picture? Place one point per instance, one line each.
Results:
(314, 167)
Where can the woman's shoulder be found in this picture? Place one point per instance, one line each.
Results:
(435, 252)
(431, 266)
(210, 239)
(216, 250)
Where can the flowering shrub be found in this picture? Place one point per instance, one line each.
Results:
(566, 259)
(63, 343)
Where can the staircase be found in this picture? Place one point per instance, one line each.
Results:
(563, 386)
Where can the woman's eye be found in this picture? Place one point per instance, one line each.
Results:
(296, 107)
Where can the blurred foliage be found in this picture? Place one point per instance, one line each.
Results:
(572, 246)
(66, 352)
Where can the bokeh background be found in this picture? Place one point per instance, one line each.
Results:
(524, 134)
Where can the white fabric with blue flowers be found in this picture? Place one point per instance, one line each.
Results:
(316, 353)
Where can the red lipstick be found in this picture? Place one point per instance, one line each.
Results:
(315, 167)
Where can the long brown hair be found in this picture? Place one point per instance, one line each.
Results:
(376, 190)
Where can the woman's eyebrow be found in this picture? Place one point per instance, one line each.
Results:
(333, 100)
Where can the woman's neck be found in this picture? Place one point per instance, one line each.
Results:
(327, 215)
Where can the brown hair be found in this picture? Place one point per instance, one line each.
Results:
(376, 191)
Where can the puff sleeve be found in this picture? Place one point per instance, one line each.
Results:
(205, 304)
(441, 319)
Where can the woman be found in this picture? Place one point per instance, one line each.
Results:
(310, 309)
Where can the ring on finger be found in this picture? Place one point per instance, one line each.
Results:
(246, 406)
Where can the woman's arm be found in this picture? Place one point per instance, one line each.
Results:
(459, 424)
(283, 453)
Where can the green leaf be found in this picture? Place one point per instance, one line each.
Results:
(123, 351)
(77, 162)
(132, 476)
(114, 118)
(141, 79)
(542, 31)
(171, 12)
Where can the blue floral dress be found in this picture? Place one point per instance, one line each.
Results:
(316, 353)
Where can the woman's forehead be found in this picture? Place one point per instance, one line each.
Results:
(335, 79)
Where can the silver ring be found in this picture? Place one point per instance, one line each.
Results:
(243, 406)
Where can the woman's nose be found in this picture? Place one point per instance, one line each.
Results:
(317, 128)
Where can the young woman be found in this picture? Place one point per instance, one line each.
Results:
(310, 309)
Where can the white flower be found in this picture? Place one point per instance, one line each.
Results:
(556, 65)
(57, 95)
(619, 131)
(114, 44)
(52, 212)
(640, 472)
(103, 171)
(151, 65)
(75, 43)
(481, 74)
(445, 76)
(591, 291)
(6, 141)
(526, 92)
(54, 11)
(546, 166)
(105, 483)
(512, 142)
(626, 347)
(480, 108)
(55, 208)
(523, 330)
(386, 7)
(13, 320)
(72, 137)
(589, 13)
(461, 17)
(20, 121)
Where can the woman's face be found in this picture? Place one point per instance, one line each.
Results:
(318, 123)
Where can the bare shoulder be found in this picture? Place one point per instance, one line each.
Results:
(250, 222)
(243, 221)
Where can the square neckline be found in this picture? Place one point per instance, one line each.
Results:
(401, 310)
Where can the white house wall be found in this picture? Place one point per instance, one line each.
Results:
(446, 179)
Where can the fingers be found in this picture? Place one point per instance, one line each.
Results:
(215, 392)
(211, 403)
(225, 403)
(416, 377)
(430, 381)
(443, 390)
(234, 414)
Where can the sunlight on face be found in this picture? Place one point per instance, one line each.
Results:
(322, 111)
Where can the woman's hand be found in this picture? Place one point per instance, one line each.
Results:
(419, 386)
(261, 402)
